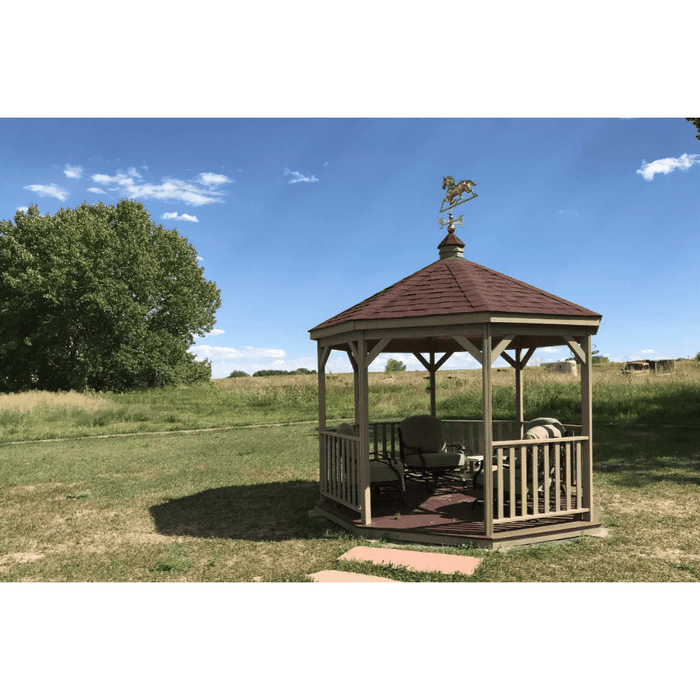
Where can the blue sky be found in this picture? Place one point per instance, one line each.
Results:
(296, 220)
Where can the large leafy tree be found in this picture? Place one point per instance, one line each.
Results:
(695, 121)
(99, 297)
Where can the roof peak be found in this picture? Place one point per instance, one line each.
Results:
(451, 247)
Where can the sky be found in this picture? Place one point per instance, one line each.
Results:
(297, 219)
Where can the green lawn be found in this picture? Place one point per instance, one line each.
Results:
(232, 505)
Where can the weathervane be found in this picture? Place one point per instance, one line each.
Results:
(455, 190)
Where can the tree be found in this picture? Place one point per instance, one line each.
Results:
(695, 121)
(393, 365)
(238, 373)
(99, 297)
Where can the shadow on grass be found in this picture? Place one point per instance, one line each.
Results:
(259, 512)
(646, 455)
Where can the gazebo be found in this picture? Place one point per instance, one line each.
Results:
(454, 305)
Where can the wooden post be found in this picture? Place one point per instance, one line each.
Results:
(488, 431)
(433, 408)
(323, 354)
(587, 427)
(519, 415)
(362, 419)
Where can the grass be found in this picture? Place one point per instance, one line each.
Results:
(618, 398)
(232, 505)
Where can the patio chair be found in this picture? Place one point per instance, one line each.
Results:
(424, 451)
(384, 470)
(538, 429)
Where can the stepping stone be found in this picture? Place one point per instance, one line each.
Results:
(420, 561)
(348, 577)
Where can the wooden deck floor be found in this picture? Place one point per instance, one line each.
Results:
(447, 516)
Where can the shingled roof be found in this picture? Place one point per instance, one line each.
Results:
(454, 285)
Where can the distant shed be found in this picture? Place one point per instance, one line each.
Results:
(563, 367)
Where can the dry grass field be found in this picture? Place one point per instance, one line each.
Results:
(230, 503)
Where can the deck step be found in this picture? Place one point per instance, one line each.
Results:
(420, 561)
(348, 577)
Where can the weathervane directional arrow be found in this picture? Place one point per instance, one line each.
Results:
(446, 222)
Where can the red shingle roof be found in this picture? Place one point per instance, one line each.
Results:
(457, 286)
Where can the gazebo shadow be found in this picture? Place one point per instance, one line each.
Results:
(260, 512)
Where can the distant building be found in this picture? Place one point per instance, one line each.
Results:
(563, 367)
(657, 366)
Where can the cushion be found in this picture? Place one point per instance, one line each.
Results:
(423, 432)
(437, 460)
(381, 471)
(550, 424)
(345, 429)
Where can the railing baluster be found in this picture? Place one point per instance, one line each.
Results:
(499, 480)
(511, 479)
(546, 477)
(557, 478)
(535, 485)
(579, 463)
(568, 476)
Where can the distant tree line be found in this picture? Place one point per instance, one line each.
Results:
(271, 372)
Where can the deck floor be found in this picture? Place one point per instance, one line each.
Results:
(443, 514)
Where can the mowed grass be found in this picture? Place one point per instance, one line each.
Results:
(232, 504)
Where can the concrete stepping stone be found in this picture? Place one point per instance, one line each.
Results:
(420, 561)
(348, 577)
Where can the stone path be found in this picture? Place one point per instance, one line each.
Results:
(419, 561)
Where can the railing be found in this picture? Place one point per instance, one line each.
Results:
(553, 488)
(535, 479)
(340, 470)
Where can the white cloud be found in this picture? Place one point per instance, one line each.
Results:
(212, 179)
(199, 258)
(180, 217)
(73, 171)
(170, 189)
(298, 177)
(647, 352)
(120, 179)
(248, 352)
(667, 165)
(51, 190)
(96, 190)
(216, 331)
(24, 209)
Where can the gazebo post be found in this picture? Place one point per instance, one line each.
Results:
(362, 420)
(322, 353)
(519, 414)
(587, 427)
(487, 401)
(433, 405)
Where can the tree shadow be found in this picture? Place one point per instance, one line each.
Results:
(260, 512)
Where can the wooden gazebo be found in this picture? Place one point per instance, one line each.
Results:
(454, 305)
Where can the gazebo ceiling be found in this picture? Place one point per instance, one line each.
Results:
(452, 296)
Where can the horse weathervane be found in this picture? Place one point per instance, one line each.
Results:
(454, 190)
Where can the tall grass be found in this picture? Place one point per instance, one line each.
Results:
(617, 398)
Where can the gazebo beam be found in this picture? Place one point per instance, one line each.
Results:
(501, 347)
(376, 350)
(470, 348)
(432, 367)
(576, 348)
